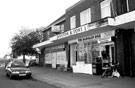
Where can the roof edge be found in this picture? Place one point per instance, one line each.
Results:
(79, 2)
(60, 19)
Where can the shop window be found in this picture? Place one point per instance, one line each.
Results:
(72, 22)
(89, 59)
(105, 9)
(85, 17)
(82, 52)
(95, 53)
(47, 58)
(88, 52)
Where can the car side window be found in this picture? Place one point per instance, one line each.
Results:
(9, 64)
(17, 64)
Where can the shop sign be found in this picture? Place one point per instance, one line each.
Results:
(73, 32)
(83, 28)
(73, 41)
(101, 36)
(58, 47)
(106, 36)
(107, 39)
(48, 49)
(89, 38)
(54, 47)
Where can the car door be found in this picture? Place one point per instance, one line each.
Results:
(8, 68)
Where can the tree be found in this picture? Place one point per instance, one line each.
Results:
(22, 43)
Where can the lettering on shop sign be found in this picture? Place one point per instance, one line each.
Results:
(105, 37)
(58, 47)
(101, 36)
(49, 49)
(107, 34)
(73, 32)
(90, 37)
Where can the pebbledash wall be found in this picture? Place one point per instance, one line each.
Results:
(96, 33)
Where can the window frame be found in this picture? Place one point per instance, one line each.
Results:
(73, 22)
(105, 8)
(85, 16)
(48, 34)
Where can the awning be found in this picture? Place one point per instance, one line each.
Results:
(97, 27)
(84, 34)
(42, 44)
(125, 21)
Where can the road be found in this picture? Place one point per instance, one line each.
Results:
(5, 82)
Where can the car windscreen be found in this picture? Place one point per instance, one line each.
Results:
(17, 64)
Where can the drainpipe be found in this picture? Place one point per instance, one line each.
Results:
(127, 5)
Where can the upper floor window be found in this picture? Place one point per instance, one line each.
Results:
(48, 34)
(105, 8)
(72, 22)
(62, 28)
(85, 16)
(56, 29)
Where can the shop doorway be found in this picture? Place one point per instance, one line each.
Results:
(107, 54)
(73, 54)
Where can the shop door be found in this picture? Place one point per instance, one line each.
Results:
(107, 54)
(73, 54)
(54, 59)
(111, 49)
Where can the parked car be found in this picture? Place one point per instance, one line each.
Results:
(17, 69)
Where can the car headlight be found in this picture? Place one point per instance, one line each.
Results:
(15, 72)
(28, 71)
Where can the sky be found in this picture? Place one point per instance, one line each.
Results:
(31, 14)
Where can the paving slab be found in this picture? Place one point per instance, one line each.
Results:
(77, 80)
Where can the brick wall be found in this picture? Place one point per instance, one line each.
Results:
(95, 12)
(119, 51)
(133, 51)
(125, 51)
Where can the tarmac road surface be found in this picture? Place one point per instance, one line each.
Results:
(5, 82)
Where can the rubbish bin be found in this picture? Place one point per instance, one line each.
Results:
(97, 68)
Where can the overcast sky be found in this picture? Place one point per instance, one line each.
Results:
(15, 14)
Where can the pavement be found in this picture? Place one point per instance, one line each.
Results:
(77, 80)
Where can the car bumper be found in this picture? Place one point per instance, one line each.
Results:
(21, 75)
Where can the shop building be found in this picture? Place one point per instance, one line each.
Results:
(95, 33)
(53, 54)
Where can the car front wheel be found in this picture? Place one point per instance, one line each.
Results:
(29, 76)
(10, 76)
(7, 74)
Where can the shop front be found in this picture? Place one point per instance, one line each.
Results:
(55, 56)
(91, 54)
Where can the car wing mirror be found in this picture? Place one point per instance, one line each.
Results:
(8, 67)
